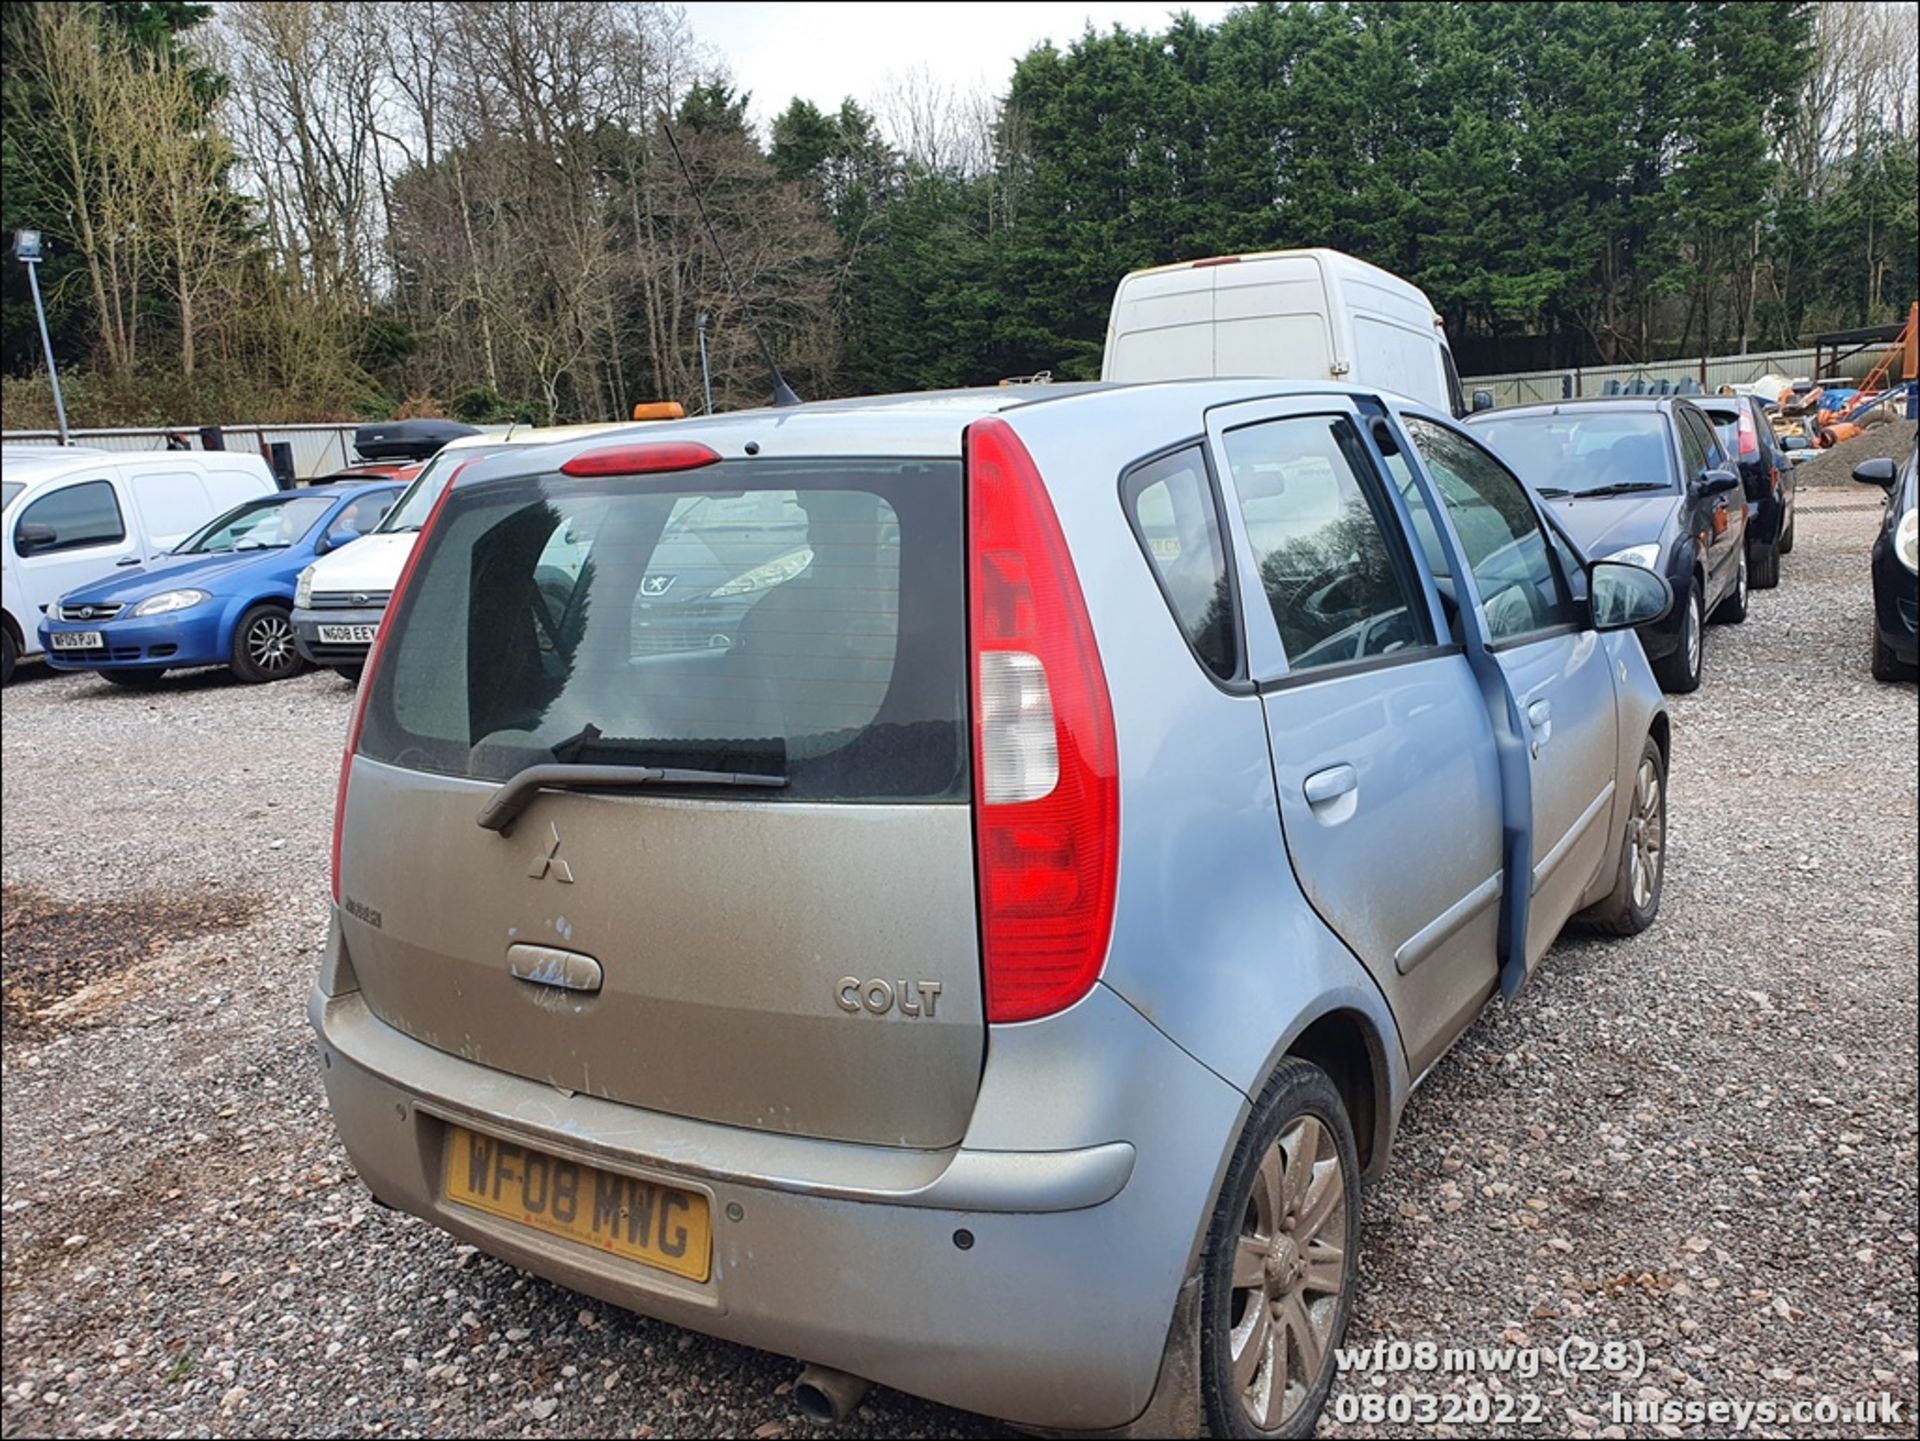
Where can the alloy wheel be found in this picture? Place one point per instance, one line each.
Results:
(270, 645)
(1289, 1267)
(1646, 836)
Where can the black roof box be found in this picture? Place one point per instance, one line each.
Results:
(407, 439)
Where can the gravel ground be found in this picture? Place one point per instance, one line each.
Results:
(1701, 1140)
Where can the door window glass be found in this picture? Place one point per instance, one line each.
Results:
(70, 518)
(1171, 505)
(1693, 449)
(1521, 589)
(1338, 581)
(1704, 437)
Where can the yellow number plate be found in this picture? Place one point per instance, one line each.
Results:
(658, 1226)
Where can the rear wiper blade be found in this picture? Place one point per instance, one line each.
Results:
(517, 793)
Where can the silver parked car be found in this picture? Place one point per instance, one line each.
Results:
(990, 967)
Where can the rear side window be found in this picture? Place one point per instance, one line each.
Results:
(804, 620)
(1337, 577)
(1694, 445)
(1171, 505)
(69, 518)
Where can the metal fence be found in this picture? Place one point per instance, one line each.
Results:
(1709, 372)
(318, 449)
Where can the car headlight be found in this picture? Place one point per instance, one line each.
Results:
(1906, 540)
(775, 572)
(1647, 557)
(168, 600)
(303, 588)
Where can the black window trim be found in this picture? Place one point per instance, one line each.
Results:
(119, 515)
(1239, 683)
(1543, 519)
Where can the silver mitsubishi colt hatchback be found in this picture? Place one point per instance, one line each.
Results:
(958, 888)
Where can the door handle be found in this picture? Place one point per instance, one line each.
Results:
(1540, 717)
(1330, 784)
(130, 560)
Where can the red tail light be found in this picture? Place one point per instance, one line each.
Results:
(1749, 434)
(1045, 766)
(366, 672)
(650, 458)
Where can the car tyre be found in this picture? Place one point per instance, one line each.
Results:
(1642, 873)
(9, 654)
(132, 679)
(349, 673)
(1679, 673)
(1733, 609)
(1278, 1272)
(1887, 665)
(1766, 566)
(263, 646)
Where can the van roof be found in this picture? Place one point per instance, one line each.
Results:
(35, 463)
(1325, 254)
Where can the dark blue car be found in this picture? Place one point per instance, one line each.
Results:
(221, 597)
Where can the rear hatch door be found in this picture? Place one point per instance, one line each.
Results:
(790, 945)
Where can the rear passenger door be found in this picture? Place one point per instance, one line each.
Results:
(1382, 751)
(1722, 519)
(1557, 670)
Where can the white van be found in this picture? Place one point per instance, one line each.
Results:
(1290, 314)
(70, 516)
(339, 599)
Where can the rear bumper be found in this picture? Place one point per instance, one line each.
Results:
(313, 650)
(1056, 1315)
(185, 638)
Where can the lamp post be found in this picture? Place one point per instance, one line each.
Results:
(26, 249)
(706, 380)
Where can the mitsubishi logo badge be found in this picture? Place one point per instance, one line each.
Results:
(551, 862)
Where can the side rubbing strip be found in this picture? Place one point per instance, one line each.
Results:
(1430, 937)
(1550, 862)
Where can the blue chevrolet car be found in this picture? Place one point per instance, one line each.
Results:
(221, 597)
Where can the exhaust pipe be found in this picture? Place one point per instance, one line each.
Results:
(828, 1396)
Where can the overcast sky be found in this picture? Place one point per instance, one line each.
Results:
(826, 52)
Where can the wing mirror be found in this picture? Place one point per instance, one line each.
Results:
(1715, 482)
(1878, 471)
(1482, 400)
(1624, 595)
(30, 537)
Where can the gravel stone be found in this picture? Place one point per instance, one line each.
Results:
(1702, 1139)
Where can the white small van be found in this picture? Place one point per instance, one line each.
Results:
(1290, 314)
(70, 516)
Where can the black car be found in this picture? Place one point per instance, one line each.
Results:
(1741, 424)
(1641, 479)
(1896, 554)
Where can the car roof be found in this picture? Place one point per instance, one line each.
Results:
(346, 487)
(915, 423)
(1588, 402)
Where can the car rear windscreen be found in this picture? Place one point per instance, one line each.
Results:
(804, 620)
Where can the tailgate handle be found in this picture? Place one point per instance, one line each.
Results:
(548, 966)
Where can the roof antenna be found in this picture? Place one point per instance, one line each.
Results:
(782, 392)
